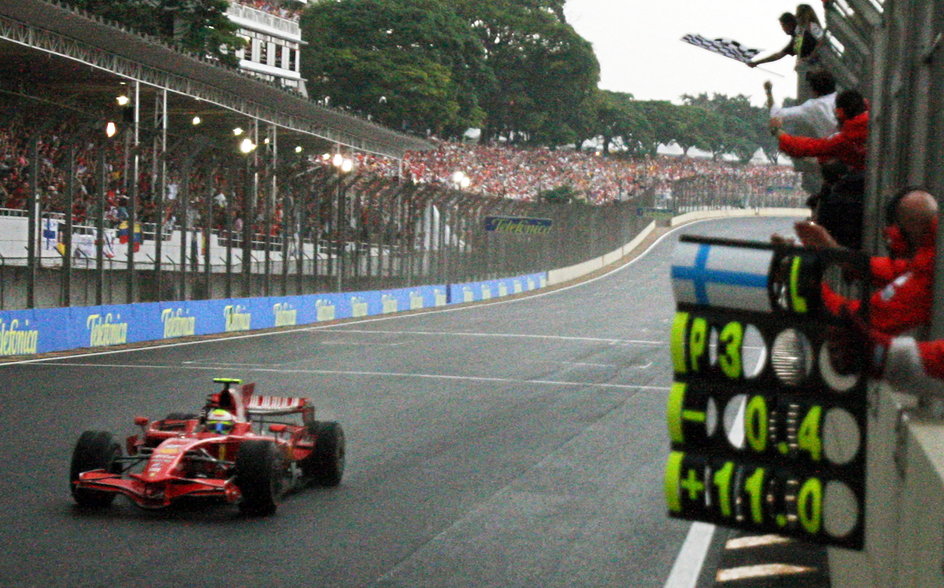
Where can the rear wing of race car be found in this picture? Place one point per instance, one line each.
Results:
(259, 405)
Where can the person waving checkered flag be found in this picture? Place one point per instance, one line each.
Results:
(725, 47)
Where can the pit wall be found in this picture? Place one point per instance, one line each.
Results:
(29, 332)
(904, 512)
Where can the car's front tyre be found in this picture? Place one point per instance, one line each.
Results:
(94, 450)
(259, 477)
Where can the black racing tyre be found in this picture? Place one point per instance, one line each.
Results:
(325, 465)
(181, 416)
(94, 450)
(259, 477)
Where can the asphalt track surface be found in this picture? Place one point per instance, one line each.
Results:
(519, 443)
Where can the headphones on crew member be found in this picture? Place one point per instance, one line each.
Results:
(897, 240)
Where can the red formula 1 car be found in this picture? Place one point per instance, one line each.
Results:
(243, 448)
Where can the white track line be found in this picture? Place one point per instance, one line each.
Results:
(508, 336)
(282, 370)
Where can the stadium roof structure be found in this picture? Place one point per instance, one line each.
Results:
(55, 52)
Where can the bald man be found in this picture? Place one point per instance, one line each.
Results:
(905, 280)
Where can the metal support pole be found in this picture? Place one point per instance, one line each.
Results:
(271, 165)
(183, 206)
(207, 233)
(229, 233)
(299, 224)
(100, 228)
(339, 249)
(252, 196)
(67, 237)
(160, 156)
(131, 288)
(33, 220)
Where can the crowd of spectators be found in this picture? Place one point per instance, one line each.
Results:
(492, 170)
(524, 173)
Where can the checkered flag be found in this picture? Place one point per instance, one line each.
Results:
(725, 47)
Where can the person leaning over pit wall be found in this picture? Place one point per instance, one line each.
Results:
(815, 118)
(902, 302)
(904, 280)
(818, 114)
(848, 147)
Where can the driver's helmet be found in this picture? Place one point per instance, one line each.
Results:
(220, 421)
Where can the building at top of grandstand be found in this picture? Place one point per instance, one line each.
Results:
(273, 41)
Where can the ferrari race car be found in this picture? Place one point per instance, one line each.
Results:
(243, 448)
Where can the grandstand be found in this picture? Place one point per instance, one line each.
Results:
(273, 42)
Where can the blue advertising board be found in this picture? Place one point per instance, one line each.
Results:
(28, 332)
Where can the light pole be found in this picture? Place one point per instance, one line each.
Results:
(248, 147)
(344, 166)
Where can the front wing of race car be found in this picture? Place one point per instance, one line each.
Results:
(175, 469)
(158, 493)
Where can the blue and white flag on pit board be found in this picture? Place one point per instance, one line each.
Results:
(721, 276)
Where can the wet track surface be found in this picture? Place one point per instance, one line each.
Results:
(513, 444)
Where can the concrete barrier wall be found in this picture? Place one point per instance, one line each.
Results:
(737, 212)
(904, 532)
(573, 272)
(579, 270)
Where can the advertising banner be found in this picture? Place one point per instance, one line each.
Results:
(28, 332)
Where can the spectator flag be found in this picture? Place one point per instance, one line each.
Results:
(124, 234)
(725, 47)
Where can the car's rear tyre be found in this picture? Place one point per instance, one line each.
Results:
(94, 450)
(325, 465)
(259, 477)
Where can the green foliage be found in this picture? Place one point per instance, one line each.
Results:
(623, 121)
(409, 64)
(198, 26)
(743, 128)
(559, 195)
(546, 73)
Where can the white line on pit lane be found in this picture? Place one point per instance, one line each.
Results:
(198, 362)
(359, 344)
(372, 374)
(341, 329)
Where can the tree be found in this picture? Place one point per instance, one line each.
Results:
(624, 122)
(667, 121)
(409, 64)
(559, 195)
(743, 126)
(198, 26)
(546, 73)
